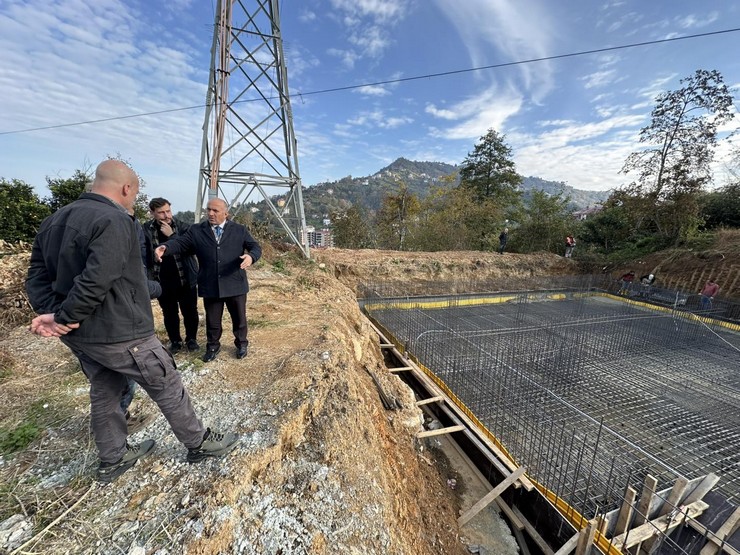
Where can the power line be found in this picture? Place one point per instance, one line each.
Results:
(393, 81)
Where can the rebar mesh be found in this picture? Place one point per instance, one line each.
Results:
(590, 392)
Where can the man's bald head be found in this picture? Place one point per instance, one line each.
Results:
(217, 210)
(118, 182)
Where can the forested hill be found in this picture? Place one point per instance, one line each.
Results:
(323, 199)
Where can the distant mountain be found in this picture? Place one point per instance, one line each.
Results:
(322, 199)
(579, 199)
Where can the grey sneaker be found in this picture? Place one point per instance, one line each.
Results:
(214, 445)
(107, 472)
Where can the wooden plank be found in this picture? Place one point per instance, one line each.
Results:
(625, 512)
(664, 524)
(646, 498)
(440, 431)
(709, 481)
(586, 539)
(704, 531)
(437, 399)
(539, 540)
(674, 498)
(400, 369)
(515, 522)
(521, 541)
(672, 501)
(490, 496)
(725, 531)
(570, 545)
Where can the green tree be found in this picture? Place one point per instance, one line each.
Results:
(22, 211)
(351, 229)
(612, 227)
(64, 191)
(722, 207)
(681, 138)
(490, 173)
(545, 223)
(186, 216)
(396, 217)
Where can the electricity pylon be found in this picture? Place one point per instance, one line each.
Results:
(249, 147)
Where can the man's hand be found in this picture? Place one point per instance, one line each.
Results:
(45, 326)
(159, 252)
(166, 229)
(246, 261)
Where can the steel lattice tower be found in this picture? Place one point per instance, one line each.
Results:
(248, 139)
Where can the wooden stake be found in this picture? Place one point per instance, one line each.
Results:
(625, 513)
(440, 431)
(664, 524)
(437, 399)
(586, 539)
(490, 496)
(646, 498)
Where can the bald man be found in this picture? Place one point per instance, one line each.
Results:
(85, 281)
(224, 249)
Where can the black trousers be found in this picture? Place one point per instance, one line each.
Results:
(176, 299)
(237, 307)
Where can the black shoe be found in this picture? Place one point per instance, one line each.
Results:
(241, 352)
(211, 354)
(175, 347)
(192, 345)
(107, 472)
(214, 445)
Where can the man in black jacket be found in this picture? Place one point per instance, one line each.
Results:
(224, 249)
(86, 281)
(177, 274)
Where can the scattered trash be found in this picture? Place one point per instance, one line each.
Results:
(451, 483)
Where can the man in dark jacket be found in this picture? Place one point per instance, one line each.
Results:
(224, 249)
(86, 281)
(177, 274)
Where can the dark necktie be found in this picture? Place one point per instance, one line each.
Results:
(218, 232)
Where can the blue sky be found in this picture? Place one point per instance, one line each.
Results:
(574, 119)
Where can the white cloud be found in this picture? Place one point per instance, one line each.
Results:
(510, 31)
(307, 16)
(378, 118)
(478, 113)
(382, 10)
(693, 21)
(347, 57)
(599, 78)
(373, 90)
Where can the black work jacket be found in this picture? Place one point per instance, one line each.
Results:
(86, 268)
(219, 275)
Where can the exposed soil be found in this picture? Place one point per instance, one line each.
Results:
(322, 466)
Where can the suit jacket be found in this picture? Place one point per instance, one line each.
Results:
(219, 275)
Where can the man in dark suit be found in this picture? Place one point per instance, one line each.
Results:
(224, 250)
(177, 274)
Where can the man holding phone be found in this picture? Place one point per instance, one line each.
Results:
(178, 276)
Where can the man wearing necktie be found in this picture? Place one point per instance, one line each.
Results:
(224, 249)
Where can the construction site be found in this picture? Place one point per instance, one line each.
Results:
(621, 407)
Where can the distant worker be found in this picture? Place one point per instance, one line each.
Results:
(570, 244)
(647, 282)
(178, 276)
(708, 293)
(626, 282)
(502, 240)
(224, 249)
(86, 281)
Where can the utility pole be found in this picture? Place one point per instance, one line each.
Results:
(249, 146)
